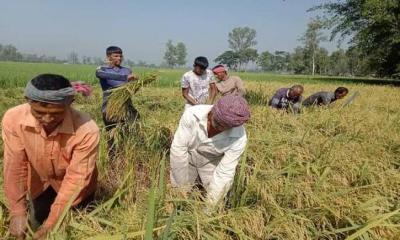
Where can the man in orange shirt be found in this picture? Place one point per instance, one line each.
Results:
(50, 153)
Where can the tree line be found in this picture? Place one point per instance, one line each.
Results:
(308, 58)
(9, 52)
(372, 29)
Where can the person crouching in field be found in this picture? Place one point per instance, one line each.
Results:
(111, 76)
(50, 154)
(198, 85)
(208, 144)
(288, 99)
(228, 85)
(325, 98)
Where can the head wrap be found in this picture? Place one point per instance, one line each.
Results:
(219, 69)
(231, 111)
(61, 96)
(83, 88)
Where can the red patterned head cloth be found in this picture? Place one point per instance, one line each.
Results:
(219, 69)
(231, 111)
(82, 88)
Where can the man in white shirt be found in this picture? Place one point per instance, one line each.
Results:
(198, 85)
(208, 143)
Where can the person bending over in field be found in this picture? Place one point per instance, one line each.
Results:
(111, 76)
(288, 98)
(325, 98)
(50, 154)
(198, 85)
(208, 144)
(228, 85)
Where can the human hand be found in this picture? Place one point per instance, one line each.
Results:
(132, 77)
(41, 234)
(18, 226)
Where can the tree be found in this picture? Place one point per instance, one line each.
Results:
(142, 63)
(297, 61)
(181, 54)
(311, 39)
(170, 54)
(322, 61)
(98, 61)
(357, 62)
(265, 61)
(338, 63)
(228, 58)
(73, 58)
(129, 62)
(175, 55)
(372, 26)
(247, 55)
(10, 53)
(86, 60)
(242, 38)
(281, 61)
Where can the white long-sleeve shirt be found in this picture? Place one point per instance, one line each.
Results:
(214, 159)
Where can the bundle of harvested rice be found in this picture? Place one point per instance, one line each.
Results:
(119, 107)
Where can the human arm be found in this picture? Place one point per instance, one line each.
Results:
(186, 95)
(179, 152)
(15, 174)
(185, 83)
(297, 105)
(102, 74)
(240, 87)
(225, 171)
(213, 92)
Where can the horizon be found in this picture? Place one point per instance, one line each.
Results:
(153, 23)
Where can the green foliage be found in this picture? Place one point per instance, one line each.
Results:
(241, 40)
(372, 26)
(280, 61)
(228, 58)
(311, 39)
(175, 55)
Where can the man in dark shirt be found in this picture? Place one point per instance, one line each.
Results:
(325, 98)
(111, 76)
(288, 98)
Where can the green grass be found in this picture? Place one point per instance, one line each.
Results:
(329, 173)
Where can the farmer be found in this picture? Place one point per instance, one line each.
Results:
(50, 153)
(325, 98)
(288, 98)
(208, 144)
(228, 85)
(198, 85)
(111, 76)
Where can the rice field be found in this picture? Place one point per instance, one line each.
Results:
(327, 174)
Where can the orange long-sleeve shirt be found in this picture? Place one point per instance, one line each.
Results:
(33, 161)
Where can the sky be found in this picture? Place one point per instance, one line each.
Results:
(142, 27)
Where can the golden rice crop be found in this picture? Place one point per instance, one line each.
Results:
(330, 173)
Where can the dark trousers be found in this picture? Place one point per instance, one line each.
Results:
(42, 204)
(110, 125)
